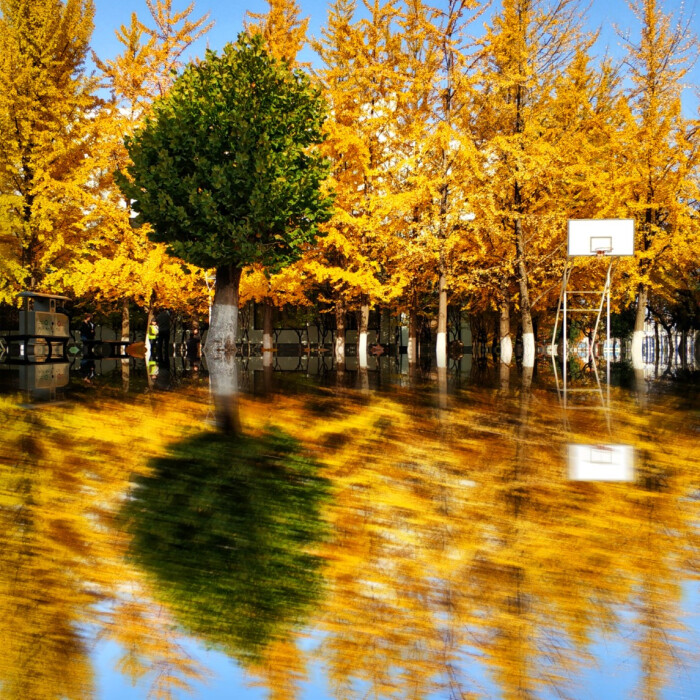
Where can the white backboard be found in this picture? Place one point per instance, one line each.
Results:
(614, 236)
(601, 462)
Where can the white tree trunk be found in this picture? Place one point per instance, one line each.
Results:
(147, 343)
(637, 350)
(506, 350)
(339, 347)
(525, 312)
(362, 335)
(412, 350)
(362, 349)
(267, 335)
(221, 337)
(441, 350)
(528, 349)
(638, 335)
(504, 339)
(441, 344)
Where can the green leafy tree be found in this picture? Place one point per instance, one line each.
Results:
(226, 172)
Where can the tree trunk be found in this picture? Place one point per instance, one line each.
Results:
(638, 335)
(525, 311)
(125, 337)
(363, 322)
(413, 331)
(385, 328)
(126, 329)
(267, 333)
(221, 338)
(126, 369)
(442, 386)
(268, 374)
(441, 344)
(339, 350)
(684, 349)
(504, 376)
(657, 350)
(149, 321)
(363, 379)
(504, 334)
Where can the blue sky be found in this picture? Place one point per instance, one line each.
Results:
(228, 16)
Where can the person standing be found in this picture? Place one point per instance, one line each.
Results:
(163, 339)
(194, 345)
(87, 329)
(152, 337)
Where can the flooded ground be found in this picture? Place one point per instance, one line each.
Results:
(352, 535)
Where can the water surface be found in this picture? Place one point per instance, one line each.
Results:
(359, 536)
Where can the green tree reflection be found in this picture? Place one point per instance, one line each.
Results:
(227, 525)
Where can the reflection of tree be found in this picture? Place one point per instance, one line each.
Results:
(660, 521)
(471, 541)
(63, 472)
(454, 539)
(527, 636)
(226, 524)
(568, 558)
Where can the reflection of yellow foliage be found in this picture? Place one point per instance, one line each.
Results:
(455, 538)
(466, 537)
(283, 670)
(63, 475)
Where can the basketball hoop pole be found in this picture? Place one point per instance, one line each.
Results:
(599, 238)
(607, 333)
(565, 345)
(603, 296)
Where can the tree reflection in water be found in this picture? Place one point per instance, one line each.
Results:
(454, 543)
(227, 525)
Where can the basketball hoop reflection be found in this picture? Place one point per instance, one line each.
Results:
(601, 462)
(613, 238)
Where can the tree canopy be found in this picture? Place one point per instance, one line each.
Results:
(46, 139)
(223, 169)
(459, 141)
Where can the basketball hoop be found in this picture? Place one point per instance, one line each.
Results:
(602, 252)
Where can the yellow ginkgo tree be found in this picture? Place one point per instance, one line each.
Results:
(440, 59)
(662, 159)
(117, 264)
(527, 47)
(47, 140)
(373, 137)
(283, 31)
